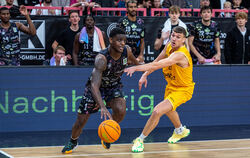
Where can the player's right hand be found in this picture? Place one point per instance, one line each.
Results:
(105, 113)
(143, 80)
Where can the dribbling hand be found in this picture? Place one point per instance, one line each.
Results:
(105, 113)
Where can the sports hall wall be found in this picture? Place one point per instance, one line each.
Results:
(46, 98)
(35, 49)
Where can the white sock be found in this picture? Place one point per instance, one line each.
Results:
(142, 136)
(179, 130)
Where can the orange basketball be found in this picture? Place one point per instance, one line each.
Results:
(109, 131)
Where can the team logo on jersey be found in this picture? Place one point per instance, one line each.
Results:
(133, 26)
(125, 61)
(14, 29)
(125, 22)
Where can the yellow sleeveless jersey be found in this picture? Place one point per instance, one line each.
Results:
(178, 78)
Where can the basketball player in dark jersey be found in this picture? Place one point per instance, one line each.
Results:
(104, 84)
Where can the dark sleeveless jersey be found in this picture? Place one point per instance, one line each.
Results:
(9, 45)
(86, 54)
(111, 77)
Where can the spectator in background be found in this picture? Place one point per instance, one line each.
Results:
(4, 2)
(237, 46)
(14, 9)
(227, 6)
(122, 4)
(140, 3)
(46, 3)
(67, 36)
(237, 4)
(148, 5)
(88, 43)
(60, 3)
(204, 3)
(180, 3)
(157, 4)
(204, 39)
(134, 28)
(169, 25)
(9, 36)
(28, 2)
(58, 59)
(84, 4)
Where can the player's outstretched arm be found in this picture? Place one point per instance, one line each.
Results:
(171, 60)
(96, 77)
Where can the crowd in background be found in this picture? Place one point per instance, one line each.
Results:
(148, 4)
(71, 48)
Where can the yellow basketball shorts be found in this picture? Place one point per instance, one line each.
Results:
(176, 97)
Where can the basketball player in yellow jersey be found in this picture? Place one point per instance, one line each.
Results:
(177, 66)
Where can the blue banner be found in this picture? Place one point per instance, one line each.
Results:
(47, 98)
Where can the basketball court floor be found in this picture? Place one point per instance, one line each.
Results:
(234, 148)
(204, 142)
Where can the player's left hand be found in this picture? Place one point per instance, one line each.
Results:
(130, 71)
(23, 10)
(142, 81)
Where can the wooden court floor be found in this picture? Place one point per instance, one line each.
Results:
(234, 148)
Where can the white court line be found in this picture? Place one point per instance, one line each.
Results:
(4, 153)
(149, 152)
(195, 141)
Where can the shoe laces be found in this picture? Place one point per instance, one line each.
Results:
(70, 145)
(137, 142)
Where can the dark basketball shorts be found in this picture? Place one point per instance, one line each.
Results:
(88, 105)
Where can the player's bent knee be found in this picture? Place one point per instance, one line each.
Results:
(156, 113)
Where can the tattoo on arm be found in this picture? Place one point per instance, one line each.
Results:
(96, 78)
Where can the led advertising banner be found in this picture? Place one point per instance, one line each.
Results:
(47, 98)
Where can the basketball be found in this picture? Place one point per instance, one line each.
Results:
(109, 131)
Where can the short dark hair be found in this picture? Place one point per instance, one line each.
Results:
(131, 1)
(4, 8)
(84, 20)
(180, 29)
(73, 11)
(115, 31)
(205, 8)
